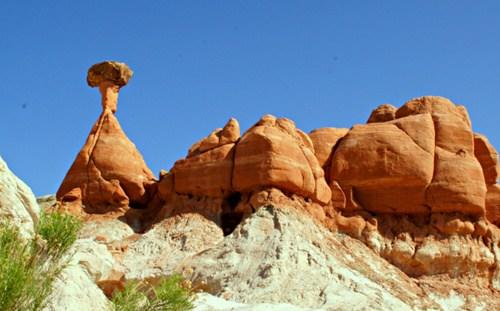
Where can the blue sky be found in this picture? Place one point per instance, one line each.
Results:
(198, 63)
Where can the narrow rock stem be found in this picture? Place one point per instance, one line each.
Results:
(109, 92)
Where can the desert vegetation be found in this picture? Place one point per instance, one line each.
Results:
(169, 295)
(28, 268)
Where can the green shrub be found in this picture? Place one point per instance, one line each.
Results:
(168, 295)
(59, 231)
(28, 268)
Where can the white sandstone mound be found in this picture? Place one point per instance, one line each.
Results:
(157, 252)
(280, 255)
(18, 205)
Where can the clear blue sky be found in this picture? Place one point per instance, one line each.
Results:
(198, 63)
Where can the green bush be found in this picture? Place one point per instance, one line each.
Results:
(28, 268)
(59, 230)
(168, 295)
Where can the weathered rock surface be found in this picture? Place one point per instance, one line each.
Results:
(106, 230)
(441, 244)
(279, 255)
(273, 153)
(109, 173)
(458, 183)
(18, 204)
(487, 157)
(422, 161)
(208, 173)
(76, 288)
(389, 164)
(156, 253)
(207, 302)
(383, 113)
(324, 140)
(227, 135)
(109, 170)
(493, 204)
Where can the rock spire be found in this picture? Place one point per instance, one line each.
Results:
(109, 173)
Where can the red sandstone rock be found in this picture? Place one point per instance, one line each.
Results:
(457, 186)
(208, 173)
(353, 226)
(274, 154)
(458, 183)
(208, 168)
(338, 196)
(493, 204)
(324, 140)
(166, 185)
(383, 113)
(389, 164)
(423, 161)
(227, 135)
(452, 226)
(487, 157)
(109, 170)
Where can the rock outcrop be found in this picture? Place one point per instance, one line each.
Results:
(493, 204)
(458, 183)
(324, 141)
(156, 253)
(208, 168)
(388, 164)
(76, 288)
(108, 173)
(279, 255)
(18, 205)
(273, 153)
(423, 161)
(383, 113)
(488, 158)
(275, 216)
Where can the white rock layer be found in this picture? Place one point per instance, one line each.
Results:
(18, 205)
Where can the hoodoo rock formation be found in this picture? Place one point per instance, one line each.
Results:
(415, 185)
(108, 173)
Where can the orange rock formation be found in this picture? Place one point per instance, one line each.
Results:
(108, 173)
(410, 181)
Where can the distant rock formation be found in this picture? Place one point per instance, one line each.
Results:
(109, 173)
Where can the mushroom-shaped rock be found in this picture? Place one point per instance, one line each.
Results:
(109, 77)
(273, 153)
(383, 113)
(109, 170)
